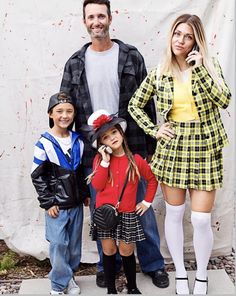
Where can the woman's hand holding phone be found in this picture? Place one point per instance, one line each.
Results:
(194, 58)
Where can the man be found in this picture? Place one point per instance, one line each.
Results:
(104, 74)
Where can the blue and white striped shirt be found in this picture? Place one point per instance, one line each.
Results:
(48, 149)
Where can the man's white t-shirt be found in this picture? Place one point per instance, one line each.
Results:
(102, 77)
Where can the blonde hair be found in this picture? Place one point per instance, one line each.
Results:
(170, 66)
(132, 168)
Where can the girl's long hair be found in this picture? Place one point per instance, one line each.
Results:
(170, 66)
(132, 168)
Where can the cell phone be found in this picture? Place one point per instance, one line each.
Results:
(195, 47)
(108, 150)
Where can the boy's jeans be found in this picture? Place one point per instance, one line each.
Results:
(64, 234)
(148, 250)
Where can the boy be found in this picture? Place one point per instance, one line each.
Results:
(57, 175)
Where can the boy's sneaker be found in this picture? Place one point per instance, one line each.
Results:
(56, 292)
(72, 288)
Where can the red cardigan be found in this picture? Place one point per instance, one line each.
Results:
(109, 193)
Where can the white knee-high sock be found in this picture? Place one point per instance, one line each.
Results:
(175, 237)
(175, 241)
(202, 241)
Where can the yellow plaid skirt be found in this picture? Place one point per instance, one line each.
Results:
(185, 162)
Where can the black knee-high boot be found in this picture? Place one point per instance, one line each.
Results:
(109, 265)
(129, 265)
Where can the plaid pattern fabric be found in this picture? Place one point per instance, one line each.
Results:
(131, 72)
(184, 161)
(128, 230)
(207, 96)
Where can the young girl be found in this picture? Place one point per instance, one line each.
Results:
(108, 178)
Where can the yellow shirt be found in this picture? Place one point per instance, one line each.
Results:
(184, 108)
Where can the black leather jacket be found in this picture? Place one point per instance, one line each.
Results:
(59, 186)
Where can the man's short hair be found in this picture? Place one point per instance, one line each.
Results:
(102, 2)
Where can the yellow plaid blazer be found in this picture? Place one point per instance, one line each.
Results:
(207, 95)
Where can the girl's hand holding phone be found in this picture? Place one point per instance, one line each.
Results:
(105, 153)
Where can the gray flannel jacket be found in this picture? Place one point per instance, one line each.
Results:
(131, 72)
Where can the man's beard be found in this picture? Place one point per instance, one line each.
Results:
(102, 34)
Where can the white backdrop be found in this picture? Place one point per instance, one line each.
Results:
(36, 39)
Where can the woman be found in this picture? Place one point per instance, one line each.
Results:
(189, 88)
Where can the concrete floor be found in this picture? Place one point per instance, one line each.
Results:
(219, 284)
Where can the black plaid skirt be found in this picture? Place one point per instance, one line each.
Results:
(184, 161)
(128, 230)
